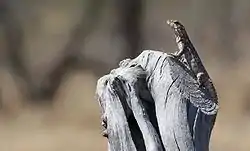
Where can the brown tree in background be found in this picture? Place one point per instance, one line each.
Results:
(128, 14)
(218, 13)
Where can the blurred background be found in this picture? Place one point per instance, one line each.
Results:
(53, 51)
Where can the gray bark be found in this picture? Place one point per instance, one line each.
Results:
(159, 101)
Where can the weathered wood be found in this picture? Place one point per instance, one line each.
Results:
(159, 101)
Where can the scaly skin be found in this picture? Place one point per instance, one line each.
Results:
(188, 53)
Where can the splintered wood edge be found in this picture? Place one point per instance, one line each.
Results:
(116, 144)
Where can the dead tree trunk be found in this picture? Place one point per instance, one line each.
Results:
(159, 101)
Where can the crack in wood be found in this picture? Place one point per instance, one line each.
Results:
(135, 95)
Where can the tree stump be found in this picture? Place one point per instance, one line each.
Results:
(159, 101)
